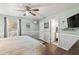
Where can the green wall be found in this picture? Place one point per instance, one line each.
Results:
(33, 27)
(1, 24)
(63, 17)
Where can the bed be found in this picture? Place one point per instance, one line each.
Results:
(21, 45)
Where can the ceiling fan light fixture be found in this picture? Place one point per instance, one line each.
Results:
(29, 10)
(27, 13)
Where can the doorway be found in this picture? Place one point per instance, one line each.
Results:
(54, 31)
(12, 27)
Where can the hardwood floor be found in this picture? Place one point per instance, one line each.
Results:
(52, 49)
(75, 49)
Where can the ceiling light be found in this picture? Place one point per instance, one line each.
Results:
(27, 13)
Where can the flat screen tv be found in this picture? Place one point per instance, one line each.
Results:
(73, 21)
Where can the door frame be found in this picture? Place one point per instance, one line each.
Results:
(53, 31)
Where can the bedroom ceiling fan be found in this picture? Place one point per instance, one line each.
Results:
(27, 9)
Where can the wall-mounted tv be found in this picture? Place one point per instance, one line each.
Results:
(73, 21)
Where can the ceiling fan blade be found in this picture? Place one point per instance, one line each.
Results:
(32, 14)
(21, 10)
(35, 9)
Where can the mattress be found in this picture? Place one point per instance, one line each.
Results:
(21, 45)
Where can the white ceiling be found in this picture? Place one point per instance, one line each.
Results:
(46, 9)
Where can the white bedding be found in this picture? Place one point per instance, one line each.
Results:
(21, 45)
